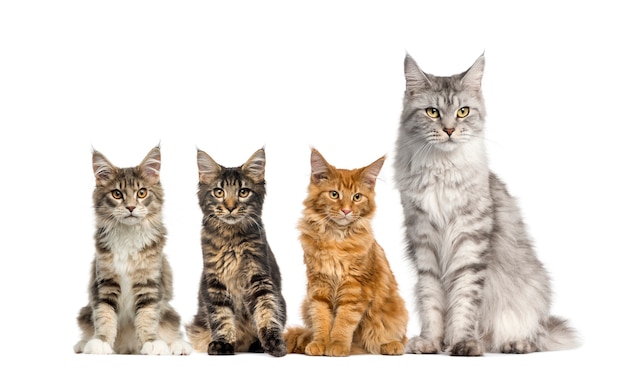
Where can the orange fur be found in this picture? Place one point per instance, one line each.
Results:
(352, 304)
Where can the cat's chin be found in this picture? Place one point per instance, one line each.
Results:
(230, 220)
(130, 220)
(342, 221)
(447, 146)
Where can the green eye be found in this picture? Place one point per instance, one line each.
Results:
(218, 192)
(142, 193)
(357, 197)
(462, 112)
(333, 194)
(432, 112)
(117, 194)
(244, 192)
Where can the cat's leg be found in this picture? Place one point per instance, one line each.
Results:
(169, 331)
(267, 307)
(349, 309)
(104, 316)
(431, 299)
(220, 315)
(147, 318)
(319, 315)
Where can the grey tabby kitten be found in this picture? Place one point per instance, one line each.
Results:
(240, 304)
(131, 280)
(480, 285)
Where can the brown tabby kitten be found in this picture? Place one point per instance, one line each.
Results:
(352, 303)
(131, 279)
(240, 305)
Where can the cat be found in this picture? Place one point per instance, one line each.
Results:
(352, 303)
(480, 284)
(131, 282)
(240, 304)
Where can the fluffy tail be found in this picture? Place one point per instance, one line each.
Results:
(559, 335)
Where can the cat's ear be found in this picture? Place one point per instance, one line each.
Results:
(472, 78)
(103, 170)
(370, 173)
(255, 166)
(151, 165)
(416, 80)
(208, 169)
(320, 169)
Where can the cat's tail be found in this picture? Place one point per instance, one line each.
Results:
(559, 335)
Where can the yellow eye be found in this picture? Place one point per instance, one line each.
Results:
(432, 112)
(117, 194)
(142, 193)
(244, 192)
(357, 197)
(333, 194)
(462, 112)
(218, 192)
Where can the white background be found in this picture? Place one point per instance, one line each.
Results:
(124, 76)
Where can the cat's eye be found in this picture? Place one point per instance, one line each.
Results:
(244, 192)
(432, 112)
(333, 194)
(218, 192)
(142, 193)
(117, 194)
(462, 112)
(357, 197)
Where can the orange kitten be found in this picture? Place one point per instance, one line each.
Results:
(352, 304)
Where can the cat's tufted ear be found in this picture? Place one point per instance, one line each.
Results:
(370, 173)
(151, 165)
(415, 78)
(103, 169)
(208, 169)
(320, 169)
(255, 166)
(472, 78)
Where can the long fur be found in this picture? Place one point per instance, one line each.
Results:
(480, 285)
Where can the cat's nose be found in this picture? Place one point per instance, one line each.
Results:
(449, 131)
(130, 208)
(346, 211)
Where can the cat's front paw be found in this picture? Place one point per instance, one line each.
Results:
(273, 342)
(519, 347)
(220, 348)
(337, 349)
(392, 348)
(97, 346)
(420, 345)
(180, 347)
(156, 347)
(467, 348)
(315, 349)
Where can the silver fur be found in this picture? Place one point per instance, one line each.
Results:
(480, 285)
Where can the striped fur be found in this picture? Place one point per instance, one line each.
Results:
(352, 304)
(480, 285)
(240, 304)
(131, 279)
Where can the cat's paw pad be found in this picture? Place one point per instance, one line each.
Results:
(467, 348)
(220, 348)
(392, 348)
(156, 347)
(315, 348)
(97, 346)
(337, 349)
(180, 347)
(420, 345)
(519, 347)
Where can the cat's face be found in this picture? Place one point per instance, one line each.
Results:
(341, 196)
(231, 194)
(127, 195)
(443, 112)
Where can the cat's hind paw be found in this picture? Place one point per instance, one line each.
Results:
(467, 348)
(156, 347)
(420, 345)
(392, 348)
(180, 347)
(519, 347)
(97, 346)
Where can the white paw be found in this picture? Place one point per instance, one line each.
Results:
(156, 347)
(97, 346)
(419, 345)
(180, 347)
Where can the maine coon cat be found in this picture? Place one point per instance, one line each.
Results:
(240, 304)
(131, 280)
(352, 303)
(480, 284)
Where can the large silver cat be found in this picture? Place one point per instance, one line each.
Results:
(480, 285)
